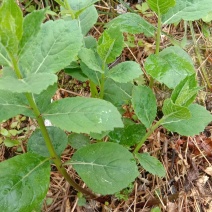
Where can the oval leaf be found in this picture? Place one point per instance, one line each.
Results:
(125, 72)
(160, 6)
(106, 168)
(200, 118)
(24, 182)
(83, 115)
(36, 143)
(170, 67)
(144, 104)
(78, 141)
(151, 164)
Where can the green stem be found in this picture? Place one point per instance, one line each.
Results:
(47, 139)
(68, 7)
(94, 92)
(102, 87)
(158, 35)
(204, 72)
(146, 136)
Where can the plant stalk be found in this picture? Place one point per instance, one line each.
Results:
(94, 92)
(204, 72)
(146, 136)
(101, 95)
(47, 139)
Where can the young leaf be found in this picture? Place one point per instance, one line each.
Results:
(151, 164)
(86, 15)
(106, 168)
(175, 111)
(129, 135)
(24, 182)
(117, 93)
(200, 117)
(170, 67)
(36, 143)
(33, 83)
(160, 6)
(89, 58)
(11, 29)
(189, 10)
(55, 46)
(144, 104)
(83, 115)
(13, 104)
(132, 23)
(125, 72)
(31, 26)
(78, 141)
(185, 92)
(110, 44)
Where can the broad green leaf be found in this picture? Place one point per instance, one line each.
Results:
(76, 73)
(172, 110)
(99, 136)
(13, 104)
(110, 44)
(117, 93)
(189, 10)
(170, 67)
(36, 143)
(208, 17)
(125, 72)
(106, 168)
(144, 104)
(4, 57)
(83, 115)
(31, 26)
(88, 57)
(86, 15)
(200, 118)
(11, 29)
(43, 100)
(160, 6)
(78, 141)
(151, 164)
(33, 83)
(129, 135)
(24, 182)
(132, 23)
(185, 92)
(55, 47)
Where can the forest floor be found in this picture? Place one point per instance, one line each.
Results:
(187, 160)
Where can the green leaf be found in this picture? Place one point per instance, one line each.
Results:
(4, 57)
(208, 17)
(132, 23)
(175, 111)
(33, 83)
(156, 209)
(117, 93)
(83, 115)
(200, 118)
(170, 67)
(106, 168)
(43, 100)
(31, 26)
(144, 104)
(13, 104)
(129, 135)
(76, 73)
(110, 44)
(55, 47)
(88, 57)
(24, 182)
(189, 10)
(78, 141)
(11, 28)
(90, 42)
(36, 143)
(86, 15)
(185, 92)
(160, 6)
(125, 72)
(93, 76)
(151, 164)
